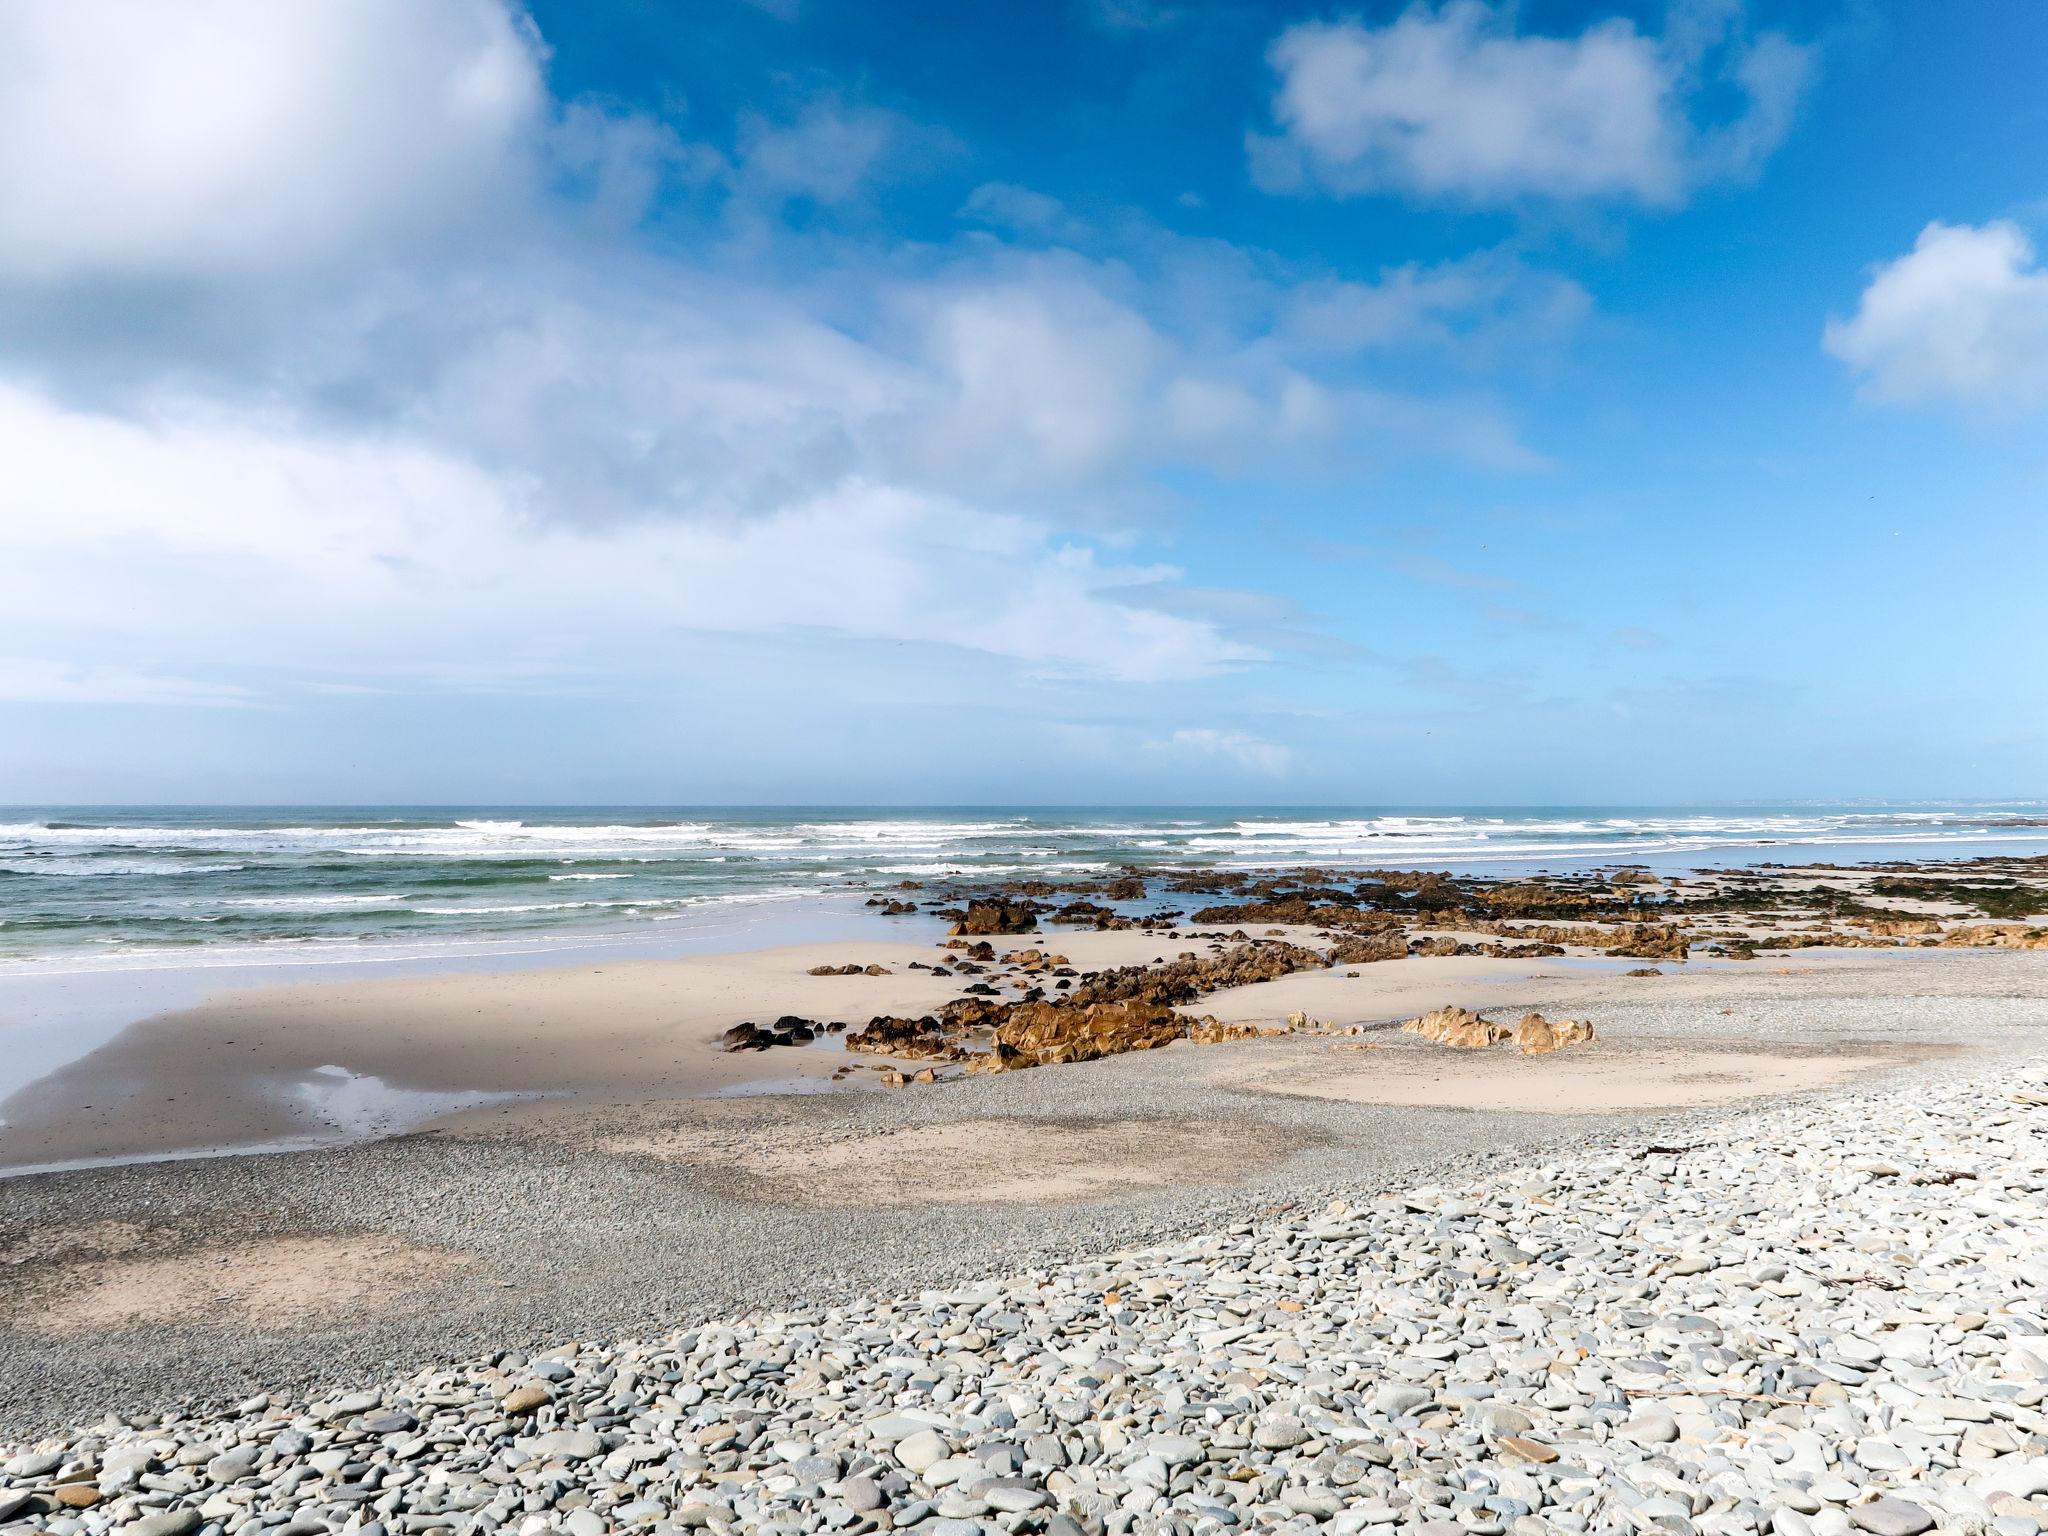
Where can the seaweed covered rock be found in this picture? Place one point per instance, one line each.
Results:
(1183, 980)
(1652, 941)
(1389, 944)
(922, 1038)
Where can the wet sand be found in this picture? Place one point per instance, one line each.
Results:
(335, 1061)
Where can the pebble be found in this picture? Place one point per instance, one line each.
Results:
(1600, 1341)
(1887, 1516)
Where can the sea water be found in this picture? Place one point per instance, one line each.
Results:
(99, 888)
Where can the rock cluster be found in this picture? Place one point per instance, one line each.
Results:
(1532, 1034)
(1996, 936)
(1046, 1034)
(1821, 1321)
(787, 1030)
(1184, 979)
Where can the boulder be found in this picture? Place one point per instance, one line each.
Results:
(996, 914)
(1535, 1035)
(1459, 1028)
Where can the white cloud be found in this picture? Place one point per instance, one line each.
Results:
(207, 543)
(1490, 298)
(1251, 753)
(148, 140)
(829, 152)
(1452, 102)
(1963, 316)
(266, 416)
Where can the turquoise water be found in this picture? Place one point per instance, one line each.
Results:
(93, 886)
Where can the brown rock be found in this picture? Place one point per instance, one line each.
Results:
(1216, 1032)
(1996, 936)
(526, 1399)
(1391, 944)
(887, 1036)
(1535, 1035)
(1185, 979)
(1653, 941)
(1459, 1028)
(1899, 927)
(1042, 1034)
(1441, 946)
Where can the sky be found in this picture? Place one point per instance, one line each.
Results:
(1086, 401)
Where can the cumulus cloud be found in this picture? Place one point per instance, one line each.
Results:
(1961, 317)
(1453, 102)
(159, 141)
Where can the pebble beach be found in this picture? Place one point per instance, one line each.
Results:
(1818, 1317)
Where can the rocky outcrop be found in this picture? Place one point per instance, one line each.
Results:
(1183, 980)
(1532, 1034)
(1216, 1032)
(1364, 949)
(1459, 1028)
(787, 1030)
(1440, 946)
(1652, 941)
(924, 1038)
(1996, 936)
(996, 914)
(1129, 888)
(849, 970)
(1899, 927)
(1090, 914)
(1045, 1034)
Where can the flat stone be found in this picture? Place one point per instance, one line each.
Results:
(925, 1448)
(1888, 1516)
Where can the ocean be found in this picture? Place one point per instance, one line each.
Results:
(91, 888)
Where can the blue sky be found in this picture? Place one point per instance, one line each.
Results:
(1111, 400)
